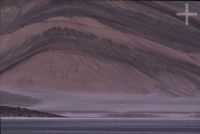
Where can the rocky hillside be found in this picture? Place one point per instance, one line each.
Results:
(98, 47)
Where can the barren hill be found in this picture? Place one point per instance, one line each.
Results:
(99, 47)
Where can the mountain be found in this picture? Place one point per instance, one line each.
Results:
(92, 55)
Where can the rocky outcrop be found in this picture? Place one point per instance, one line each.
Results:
(23, 112)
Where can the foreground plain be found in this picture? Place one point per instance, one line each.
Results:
(93, 126)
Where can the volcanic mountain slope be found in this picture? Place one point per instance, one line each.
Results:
(99, 47)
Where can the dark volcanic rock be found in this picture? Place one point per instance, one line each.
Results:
(23, 112)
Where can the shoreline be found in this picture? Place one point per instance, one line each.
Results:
(92, 118)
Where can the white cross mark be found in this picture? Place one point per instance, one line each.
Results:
(187, 14)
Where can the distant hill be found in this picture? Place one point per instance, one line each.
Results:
(23, 112)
